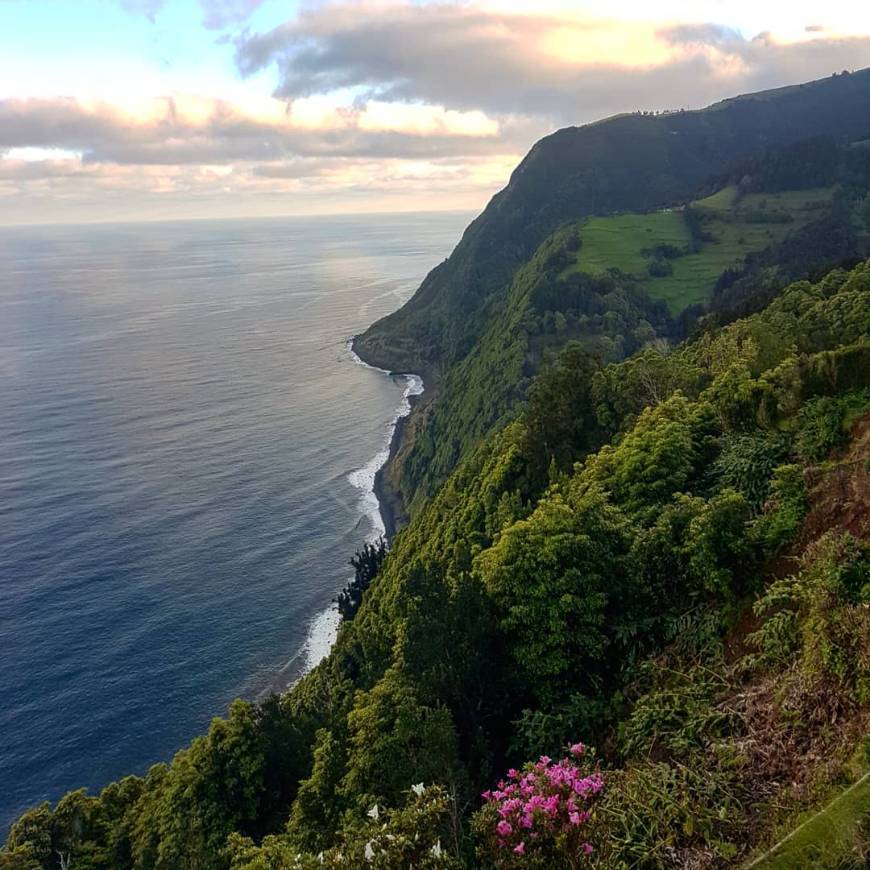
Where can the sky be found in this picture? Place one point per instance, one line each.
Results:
(119, 110)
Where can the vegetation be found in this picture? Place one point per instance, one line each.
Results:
(659, 549)
(680, 264)
(619, 282)
(366, 563)
(628, 163)
(655, 555)
(830, 838)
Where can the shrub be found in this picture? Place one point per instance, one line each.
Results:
(652, 812)
(415, 835)
(820, 615)
(545, 730)
(539, 817)
(820, 431)
(366, 565)
(784, 511)
(746, 464)
(676, 719)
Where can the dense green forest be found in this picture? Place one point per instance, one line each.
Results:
(617, 283)
(762, 190)
(628, 622)
(665, 558)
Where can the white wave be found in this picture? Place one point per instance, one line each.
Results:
(323, 629)
(364, 478)
(322, 632)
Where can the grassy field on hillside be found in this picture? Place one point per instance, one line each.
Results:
(738, 225)
(829, 838)
(618, 240)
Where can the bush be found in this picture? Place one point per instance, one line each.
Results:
(820, 616)
(674, 720)
(660, 268)
(746, 464)
(540, 816)
(366, 565)
(414, 836)
(784, 511)
(820, 428)
(653, 811)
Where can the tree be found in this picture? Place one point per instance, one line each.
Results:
(552, 578)
(366, 565)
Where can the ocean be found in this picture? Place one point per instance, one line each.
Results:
(187, 449)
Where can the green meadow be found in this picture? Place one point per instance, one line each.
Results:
(737, 225)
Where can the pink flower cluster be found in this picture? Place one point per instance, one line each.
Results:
(545, 804)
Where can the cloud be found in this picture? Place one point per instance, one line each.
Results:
(189, 130)
(216, 14)
(148, 8)
(390, 99)
(568, 68)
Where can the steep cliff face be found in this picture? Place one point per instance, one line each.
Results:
(666, 557)
(463, 329)
(624, 163)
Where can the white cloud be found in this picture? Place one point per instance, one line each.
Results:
(386, 101)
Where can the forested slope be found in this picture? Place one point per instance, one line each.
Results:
(620, 282)
(785, 140)
(640, 517)
(626, 163)
(666, 558)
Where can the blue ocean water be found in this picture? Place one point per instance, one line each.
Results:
(185, 448)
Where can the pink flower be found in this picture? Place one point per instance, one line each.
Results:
(577, 749)
(504, 828)
(545, 759)
(574, 818)
(520, 849)
(587, 849)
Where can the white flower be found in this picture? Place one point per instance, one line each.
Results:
(436, 849)
(370, 852)
(417, 789)
(374, 812)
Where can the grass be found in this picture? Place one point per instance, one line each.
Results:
(721, 201)
(827, 839)
(617, 241)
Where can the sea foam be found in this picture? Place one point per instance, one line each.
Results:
(323, 628)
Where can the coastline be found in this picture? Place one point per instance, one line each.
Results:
(390, 505)
(387, 513)
(390, 502)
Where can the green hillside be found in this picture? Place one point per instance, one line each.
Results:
(685, 588)
(629, 163)
(618, 241)
(731, 226)
(769, 146)
(627, 623)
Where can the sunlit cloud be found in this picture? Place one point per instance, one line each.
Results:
(548, 60)
(376, 103)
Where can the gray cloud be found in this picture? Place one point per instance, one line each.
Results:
(101, 135)
(468, 58)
